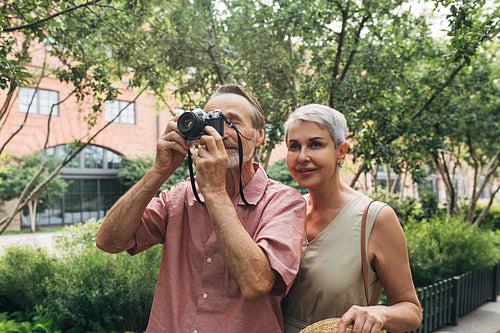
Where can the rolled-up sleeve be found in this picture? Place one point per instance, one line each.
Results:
(281, 235)
(151, 230)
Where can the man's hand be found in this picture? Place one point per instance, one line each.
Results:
(211, 163)
(171, 150)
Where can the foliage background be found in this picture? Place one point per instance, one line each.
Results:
(79, 287)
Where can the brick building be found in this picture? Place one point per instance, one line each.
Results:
(91, 176)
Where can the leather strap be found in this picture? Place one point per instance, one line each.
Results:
(363, 250)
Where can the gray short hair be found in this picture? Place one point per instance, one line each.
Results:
(324, 116)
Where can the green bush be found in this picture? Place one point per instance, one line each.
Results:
(23, 274)
(439, 249)
(405, 209)
(80, 287)
(491, 220)
(133, 169)
(100, 292)
(429, 205)
(279, 171)
(18, 322)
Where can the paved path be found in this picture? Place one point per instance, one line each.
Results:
(33, 240)
(485, 319)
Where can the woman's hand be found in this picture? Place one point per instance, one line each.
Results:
(367, 319)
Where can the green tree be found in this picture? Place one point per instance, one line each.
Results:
(20, 172)
(98, 43)
(133, 169)
(373, 60)
(460, 136)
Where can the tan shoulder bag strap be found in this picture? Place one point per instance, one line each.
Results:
(363, 250)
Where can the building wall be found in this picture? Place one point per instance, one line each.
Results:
(70, 125)
(129, 140)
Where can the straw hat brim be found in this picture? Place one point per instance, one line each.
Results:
(329, 325)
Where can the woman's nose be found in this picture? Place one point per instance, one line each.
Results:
(303, 155)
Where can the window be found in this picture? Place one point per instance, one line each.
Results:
(93, 186)
(41, 103)
(123, 110)
(92, 157)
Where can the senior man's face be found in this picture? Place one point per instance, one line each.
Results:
(237, 109)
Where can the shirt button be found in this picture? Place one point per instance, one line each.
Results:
(209, 260)
(205, 295)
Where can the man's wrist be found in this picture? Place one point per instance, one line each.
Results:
(217, 197)
(154, 179)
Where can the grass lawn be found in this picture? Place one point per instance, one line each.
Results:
(43, 230)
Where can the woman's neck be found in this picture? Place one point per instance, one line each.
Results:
(330, 195)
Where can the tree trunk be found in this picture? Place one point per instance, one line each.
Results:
(485, 210)
(388, 179)
(491, 168)
(452, 208)
(361, 170)
(374, 176)
(401, 194)
(395, 183)
(32, 210)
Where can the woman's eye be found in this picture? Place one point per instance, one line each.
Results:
(315, 144)
(293, 146)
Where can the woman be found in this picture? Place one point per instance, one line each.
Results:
(330, 280)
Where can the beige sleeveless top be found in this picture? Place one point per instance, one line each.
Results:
(330, 278)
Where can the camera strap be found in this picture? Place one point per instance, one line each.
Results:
(240, 156)
(191, 177)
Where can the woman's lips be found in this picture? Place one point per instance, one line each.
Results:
(305, 171)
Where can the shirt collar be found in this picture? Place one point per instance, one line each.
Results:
(254, 190)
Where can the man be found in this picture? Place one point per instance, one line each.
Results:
(226, 265)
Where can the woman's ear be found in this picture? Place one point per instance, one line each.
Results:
(344, 147)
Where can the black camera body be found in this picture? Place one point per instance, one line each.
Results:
(191, 124)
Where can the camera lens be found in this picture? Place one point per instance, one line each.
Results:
(190, 125)
(185, 122)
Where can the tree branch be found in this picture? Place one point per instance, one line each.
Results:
(355, 46)
(42, 75)
(338, 56)
(487, 208)
(35, 23)
(472, 152)
(438, 91)
(361, 169)
(24, 199)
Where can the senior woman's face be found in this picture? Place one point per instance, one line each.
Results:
(312, 156)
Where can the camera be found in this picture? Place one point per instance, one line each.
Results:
(191, 124)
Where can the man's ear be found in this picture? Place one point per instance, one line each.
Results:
(259, 137)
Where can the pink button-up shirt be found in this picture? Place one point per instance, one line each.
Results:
(195, 291)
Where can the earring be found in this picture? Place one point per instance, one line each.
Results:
(341, 163)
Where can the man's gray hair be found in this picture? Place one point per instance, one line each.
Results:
(324, 116)
(257, 115)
